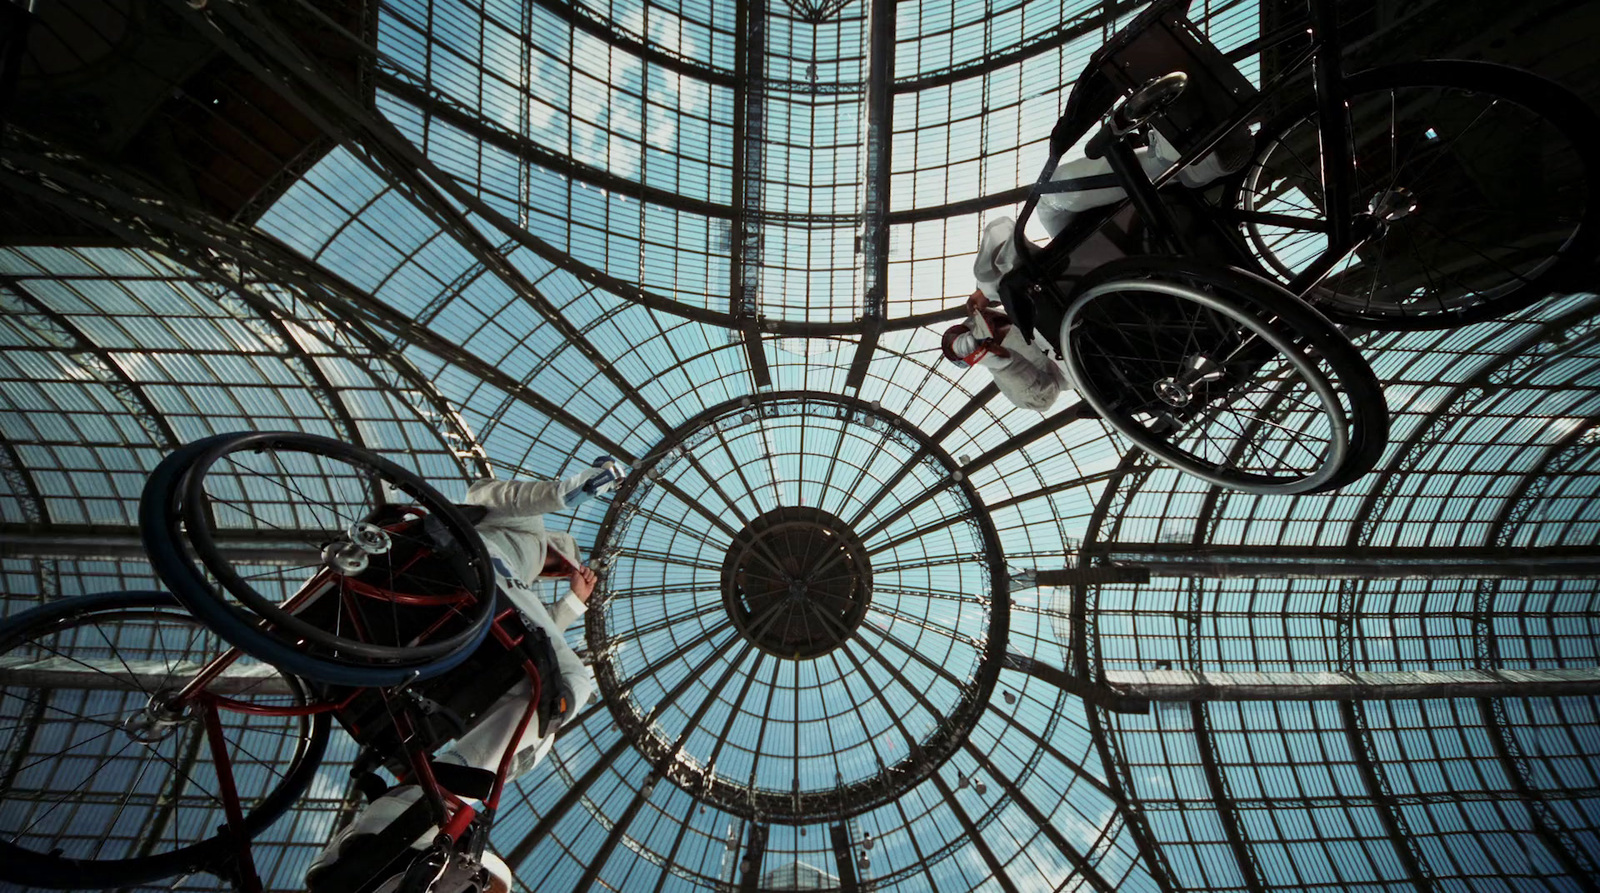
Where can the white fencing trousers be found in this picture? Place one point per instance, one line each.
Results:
(485, 743)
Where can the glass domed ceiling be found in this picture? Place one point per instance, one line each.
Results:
(713, 239)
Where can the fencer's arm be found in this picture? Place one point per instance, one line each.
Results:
(568, 610)
(520, 498)
(580, 589)
(1028, 388)
(1028, 378)
(997, 256)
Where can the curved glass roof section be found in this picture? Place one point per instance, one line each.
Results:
(647, 230)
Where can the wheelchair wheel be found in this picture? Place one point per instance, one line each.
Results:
(108, 780)
(318, 557)
(1483, 182)
(1223, 375)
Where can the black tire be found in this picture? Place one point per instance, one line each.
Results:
(1165, 348)
(91, 638)
(254, 486)
(1498, 194)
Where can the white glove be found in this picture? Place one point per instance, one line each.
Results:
(602, 477)
(610, 476)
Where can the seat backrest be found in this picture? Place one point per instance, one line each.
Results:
(1158, 41)
(1169, 42)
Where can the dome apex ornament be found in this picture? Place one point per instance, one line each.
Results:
(797, 582)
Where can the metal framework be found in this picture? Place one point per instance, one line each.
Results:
(1339, 562)
(925, 752)
(715, 241)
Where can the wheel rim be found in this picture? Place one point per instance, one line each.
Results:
(78, 699)
(273, 516)
(1160, 368)
(1474, 196)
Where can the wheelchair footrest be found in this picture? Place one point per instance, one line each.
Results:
(367, 860)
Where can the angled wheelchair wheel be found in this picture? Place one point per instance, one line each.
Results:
(1482, 181)
(319, 557)
(110, 778)
(1223, 375)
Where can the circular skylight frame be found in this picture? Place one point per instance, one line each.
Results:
(850, 798)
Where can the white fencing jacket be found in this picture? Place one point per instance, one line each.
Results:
(1030, 379)
(515, 534)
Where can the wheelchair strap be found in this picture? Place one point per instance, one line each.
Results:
(1081, 184)
(463, 781)
(555, 698)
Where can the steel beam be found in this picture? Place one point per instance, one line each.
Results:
(19, 480)
(749, 163)
(874, 238)
(1092, 575)
(1361, 685)
(1049, 425)
(755, 848)
(1364, 753)
(844, 858)
(61, 672)
(1098, 694)
(1336, 562)
(83, 542)
(1222, 798)
(1348, 801)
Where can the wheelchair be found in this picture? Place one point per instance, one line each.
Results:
(1423, 195)
(154, 734)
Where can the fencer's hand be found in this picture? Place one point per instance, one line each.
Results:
(977, 302)
(582, 583)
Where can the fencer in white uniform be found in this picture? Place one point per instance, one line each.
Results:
(1023, 372)
(523, 550)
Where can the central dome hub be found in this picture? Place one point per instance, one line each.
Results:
(796, 582)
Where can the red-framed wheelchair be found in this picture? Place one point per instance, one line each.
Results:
(153, 734)
(1421, 195)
